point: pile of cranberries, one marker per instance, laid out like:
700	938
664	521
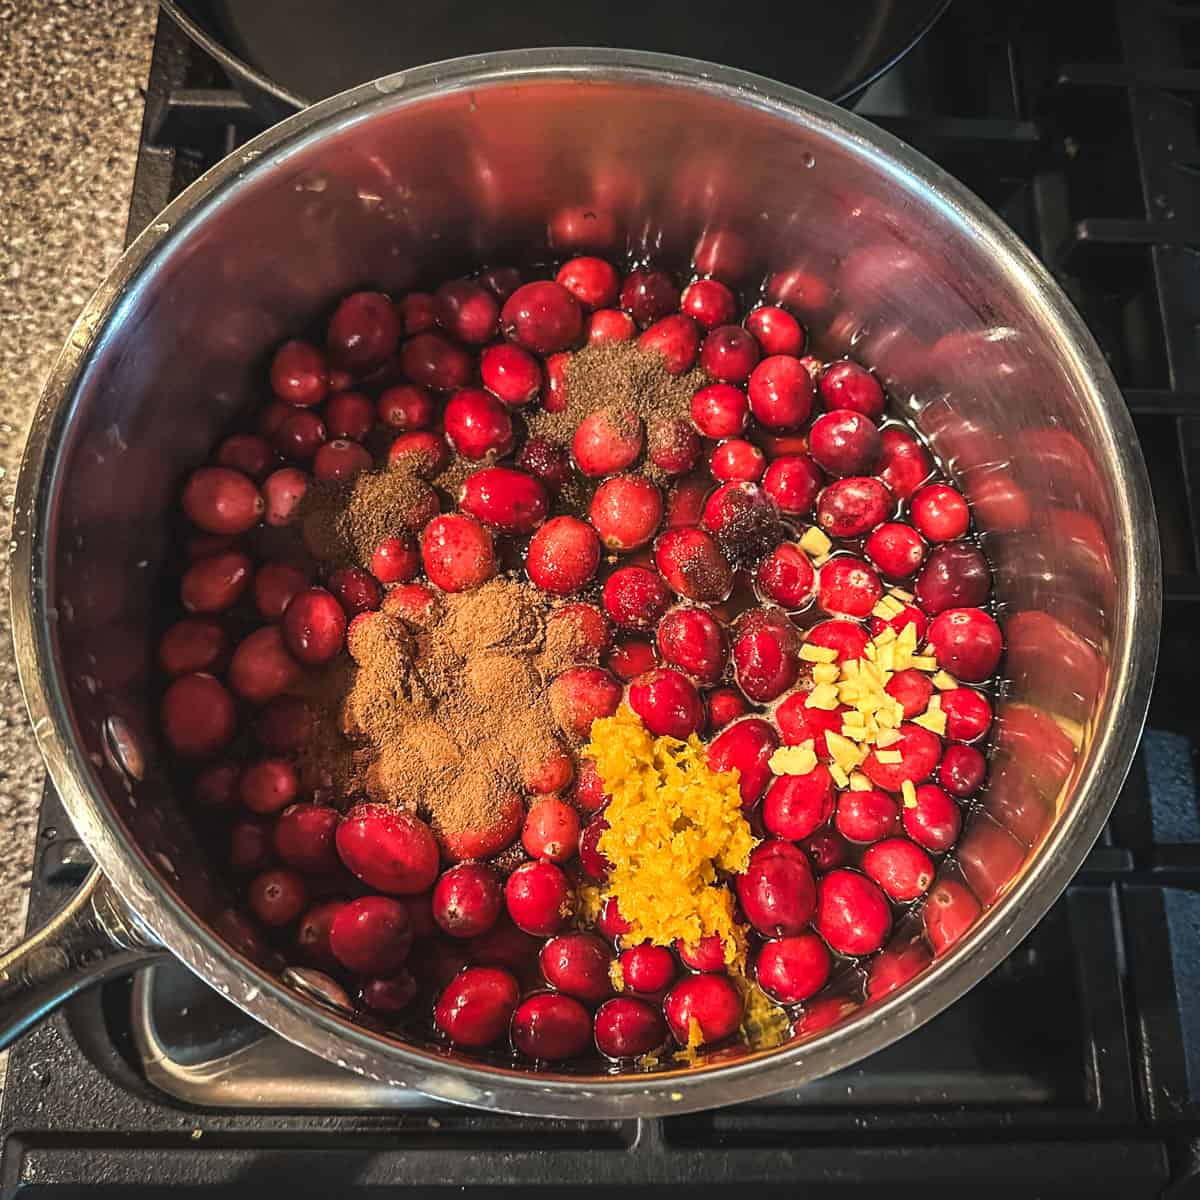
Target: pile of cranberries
695	597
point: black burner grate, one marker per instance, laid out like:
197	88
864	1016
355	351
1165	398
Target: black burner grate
1077	1063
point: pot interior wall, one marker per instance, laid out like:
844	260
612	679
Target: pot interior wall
409	188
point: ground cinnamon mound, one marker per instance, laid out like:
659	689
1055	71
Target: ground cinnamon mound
446	720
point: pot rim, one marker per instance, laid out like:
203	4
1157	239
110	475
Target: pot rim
679	1090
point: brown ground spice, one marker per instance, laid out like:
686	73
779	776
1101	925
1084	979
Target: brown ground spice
449	719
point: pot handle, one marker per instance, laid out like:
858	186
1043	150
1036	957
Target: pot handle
90	939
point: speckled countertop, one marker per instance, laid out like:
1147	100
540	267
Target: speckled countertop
72	77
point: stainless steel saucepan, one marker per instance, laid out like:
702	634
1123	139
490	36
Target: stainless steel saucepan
510	158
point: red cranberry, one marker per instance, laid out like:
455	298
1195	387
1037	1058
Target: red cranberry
690	639
846	385
848	586
705	1004
737	459
894	967
551	774
581	695
949	912
968	714
429	360
563	556
667	702
216	787
740	517
649	294
956	575
827	850
844	443
467	900
786	576
249	846
919	753
500	281
363	331
799	723
900	867
510	373
312	934
962	770
852	913
246	453
647	969
912	689
630	658
676	338
477	424
551	830
792	969
427	454
635	598
551	1026
866	816
507	500
628	1028
406	407
607	441
908	615
350	416
589	632
793	483
940	512
416	313
626	511
538	898
314	626
219	500
610	922
746	746
277	897
356	591
725	705
967	643
720	410
672	445
934	821
796	806
261	667
299	374
729	354
845	637
285	725
415	604
781	393
776	330
388	848
897	550
282	492
577	964
777	895
198	715
685	501
554	395
850	507
486	839
904	464
467	311
268	786
708	954
304	837
610	325
341	460
476	1006
593	861
547	461
389	994
543	317
300	435
709	302
458	553
693	565
765	654
592	281
193	644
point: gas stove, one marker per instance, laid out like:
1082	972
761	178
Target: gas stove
1076	1064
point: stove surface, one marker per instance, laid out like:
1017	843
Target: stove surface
1076	1064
